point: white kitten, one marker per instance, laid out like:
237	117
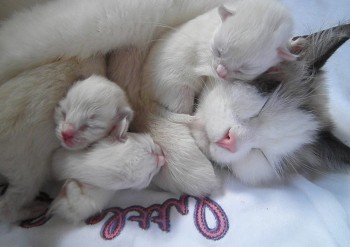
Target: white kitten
27	129
69	28
237	43
188	170
108	165
92	109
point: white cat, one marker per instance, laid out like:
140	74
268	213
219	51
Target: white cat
92	109
27	129
250	133
265	134
101	170
69	28
237	42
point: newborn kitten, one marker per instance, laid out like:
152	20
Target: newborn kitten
92	109
27	129
188	170
264	136
237	42
75	28
102	169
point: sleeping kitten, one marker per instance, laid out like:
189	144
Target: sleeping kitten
101	170
92	109
81	29
263	136
237	42
27	129
188	170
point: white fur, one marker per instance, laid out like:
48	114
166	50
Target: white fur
78	201
45	33
107	165
93	107
187	170
248	41
263	138
68	28
27	128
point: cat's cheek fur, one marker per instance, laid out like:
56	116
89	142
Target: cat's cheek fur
254	169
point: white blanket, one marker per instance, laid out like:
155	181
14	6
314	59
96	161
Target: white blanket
297	213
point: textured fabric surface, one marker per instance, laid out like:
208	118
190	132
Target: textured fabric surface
298	213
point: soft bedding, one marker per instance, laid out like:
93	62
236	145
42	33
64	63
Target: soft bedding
300	212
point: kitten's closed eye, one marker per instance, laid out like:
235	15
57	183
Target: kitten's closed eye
217	52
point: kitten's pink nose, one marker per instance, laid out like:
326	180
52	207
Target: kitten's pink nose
222	71
68	131
228	142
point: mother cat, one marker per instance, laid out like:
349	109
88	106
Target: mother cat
68	28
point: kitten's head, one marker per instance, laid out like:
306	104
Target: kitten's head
92	109
238	127
251	38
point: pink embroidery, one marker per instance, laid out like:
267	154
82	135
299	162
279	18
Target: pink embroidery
117	217
38	221
114	225
221	219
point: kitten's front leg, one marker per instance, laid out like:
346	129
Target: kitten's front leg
78	201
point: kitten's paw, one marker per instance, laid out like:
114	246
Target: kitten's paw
71	204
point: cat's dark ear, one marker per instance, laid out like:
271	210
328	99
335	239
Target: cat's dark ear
123	120
225	12
321	45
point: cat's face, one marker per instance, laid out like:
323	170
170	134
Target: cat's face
224	129
237	127
244	47
91	110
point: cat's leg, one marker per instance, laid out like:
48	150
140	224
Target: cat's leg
78	201
187	169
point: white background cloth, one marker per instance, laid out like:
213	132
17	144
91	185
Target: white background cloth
297	213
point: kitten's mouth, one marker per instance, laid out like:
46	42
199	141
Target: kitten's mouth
72	144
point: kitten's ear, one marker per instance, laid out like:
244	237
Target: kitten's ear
124	118
285	54
225	12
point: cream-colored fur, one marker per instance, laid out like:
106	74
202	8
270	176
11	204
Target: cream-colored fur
27	128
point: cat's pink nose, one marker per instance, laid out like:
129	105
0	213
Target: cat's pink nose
68	131
228	142
222	71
